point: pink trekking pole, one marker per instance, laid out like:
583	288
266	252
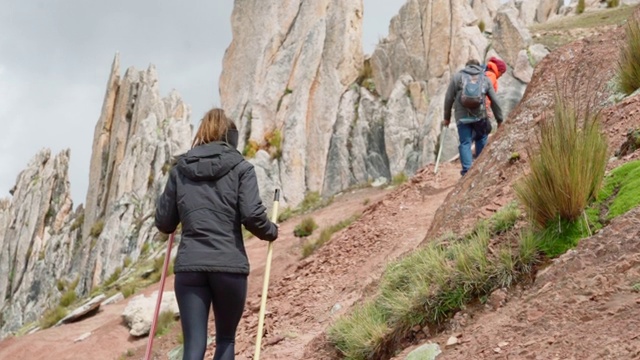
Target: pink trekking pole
154	324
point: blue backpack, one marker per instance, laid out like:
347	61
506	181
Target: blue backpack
473	91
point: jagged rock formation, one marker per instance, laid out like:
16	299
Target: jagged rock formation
136	138
285	70
37	240
297	75
42	240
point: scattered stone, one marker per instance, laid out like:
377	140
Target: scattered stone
503	344
497	299
337	307
425	352
452	341
274	340
497	350
82	337
381	181
88	309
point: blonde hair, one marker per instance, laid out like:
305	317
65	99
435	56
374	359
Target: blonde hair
213	127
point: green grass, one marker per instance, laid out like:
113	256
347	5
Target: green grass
68	298
165	320
622	188
504	219
52	316
399	179
580	7
96	228
312	201
567	169
114	277
554	33
428	285
325	236
305	228
628	76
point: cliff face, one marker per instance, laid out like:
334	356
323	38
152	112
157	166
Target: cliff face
297	68
37	242
285	71
43	240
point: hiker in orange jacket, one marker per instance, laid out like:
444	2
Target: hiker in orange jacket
495	69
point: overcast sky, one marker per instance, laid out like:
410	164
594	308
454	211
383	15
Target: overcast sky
55	57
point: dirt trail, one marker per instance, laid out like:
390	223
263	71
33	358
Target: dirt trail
302	293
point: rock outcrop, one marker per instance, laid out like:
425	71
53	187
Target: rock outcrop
135	141
297	68
46	248
37	240
286	69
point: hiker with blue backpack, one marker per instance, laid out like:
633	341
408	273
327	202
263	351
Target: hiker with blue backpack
467	95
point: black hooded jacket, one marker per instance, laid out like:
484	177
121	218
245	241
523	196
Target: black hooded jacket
212	191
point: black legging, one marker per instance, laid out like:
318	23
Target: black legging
196	292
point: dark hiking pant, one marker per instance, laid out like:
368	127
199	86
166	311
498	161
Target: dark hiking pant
196	292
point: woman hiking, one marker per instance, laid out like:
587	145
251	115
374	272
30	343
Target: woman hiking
212	191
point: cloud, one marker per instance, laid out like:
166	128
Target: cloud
55	58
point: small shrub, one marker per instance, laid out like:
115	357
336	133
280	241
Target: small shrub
568	169
399	179
635	287
366	73
127	261
114	277
128	290
274	139
61	285
52	316
180	338
580	7
514	158
68	298
366	201
628	74
145	248
77	222
482	26
150	180
165	320
96	228
613	3
250	149
166	167
305	228
356	336
286	214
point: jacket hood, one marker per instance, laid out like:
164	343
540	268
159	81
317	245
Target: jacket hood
493	68
473	69
209	161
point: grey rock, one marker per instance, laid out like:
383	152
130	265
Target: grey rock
537	52
138	315
113	299
425	352
523	70
510	35
82	337
88	309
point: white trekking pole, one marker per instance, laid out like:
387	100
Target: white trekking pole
442	136
265	284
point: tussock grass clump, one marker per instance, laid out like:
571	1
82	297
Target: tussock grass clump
68	298
52	316
305	228
567	171
482	26
613	3
629	61
96	228
580	7
429	285
505	219
399	179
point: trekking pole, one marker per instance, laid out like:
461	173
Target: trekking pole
154	324
265	284
444	132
